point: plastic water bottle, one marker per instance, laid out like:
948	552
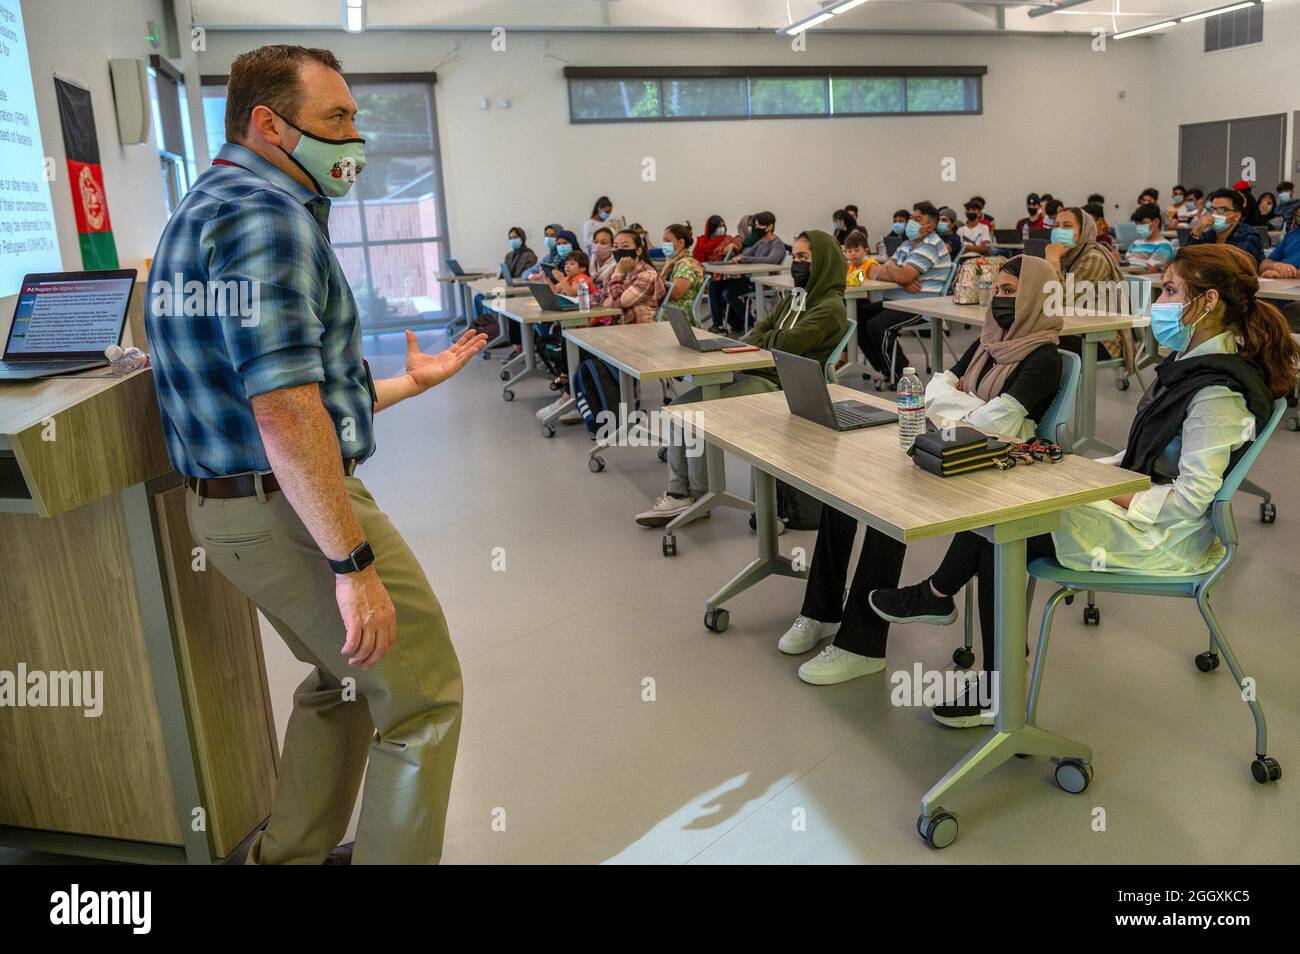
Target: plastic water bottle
125	360
911	408
584	298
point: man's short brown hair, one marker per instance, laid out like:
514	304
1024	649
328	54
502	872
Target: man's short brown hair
268	76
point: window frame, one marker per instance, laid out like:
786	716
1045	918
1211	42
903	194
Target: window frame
828	74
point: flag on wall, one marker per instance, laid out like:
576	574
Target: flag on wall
85	177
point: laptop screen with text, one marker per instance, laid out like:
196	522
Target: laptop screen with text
73	315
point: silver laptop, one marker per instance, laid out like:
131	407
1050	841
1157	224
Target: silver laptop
63	321
686	334
807	396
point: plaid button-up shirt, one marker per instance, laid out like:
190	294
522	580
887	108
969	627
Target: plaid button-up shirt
245	296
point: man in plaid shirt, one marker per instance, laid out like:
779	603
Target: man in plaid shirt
268	408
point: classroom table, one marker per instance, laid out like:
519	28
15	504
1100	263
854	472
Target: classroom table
748	269
464	299
865	474
1280	289
529	315
496	288
1091	328
650	352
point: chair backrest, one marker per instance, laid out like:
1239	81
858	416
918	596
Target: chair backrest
1055	424
1125	233
949	279
700	295
839	350
1140	292
891	244
1225	525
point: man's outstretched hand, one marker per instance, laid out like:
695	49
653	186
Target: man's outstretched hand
426	370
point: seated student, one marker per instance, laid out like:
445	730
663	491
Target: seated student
1265	210
853	211
920	268
1004	383
1104	237
899	225
976	236
682	274
977	202
861	265
1284	260
550	240
1034	218
1050	209
810	325
1150	252
1079	258
1150	197
518	259
844	222
947	230
602	216
602	257
1232	357
725	292
1245	188
1178	199
635	285
714	244
1191	209
1287	205
574	274
1223	223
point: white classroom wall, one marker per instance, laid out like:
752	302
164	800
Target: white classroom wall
1053	120
1189	85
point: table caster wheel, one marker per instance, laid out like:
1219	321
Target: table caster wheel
1091	616
507	395
939	831
1069	600
1207	661
548	431
663	453
487	354
1293	423
1265	770
595	464
1073	776
1122	384
505	375
670	544
1267	512
717	620
963	657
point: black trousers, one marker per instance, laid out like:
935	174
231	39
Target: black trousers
880	565
725	306
874	320
969	556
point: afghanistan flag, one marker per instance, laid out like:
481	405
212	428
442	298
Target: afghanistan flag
94	231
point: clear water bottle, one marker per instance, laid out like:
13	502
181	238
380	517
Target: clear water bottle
911	408
125	360
584	298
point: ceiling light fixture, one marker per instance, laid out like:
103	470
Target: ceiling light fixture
820	17
1215	12
1140	30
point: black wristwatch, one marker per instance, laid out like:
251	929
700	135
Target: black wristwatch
356	561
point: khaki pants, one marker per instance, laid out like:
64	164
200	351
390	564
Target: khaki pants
406	711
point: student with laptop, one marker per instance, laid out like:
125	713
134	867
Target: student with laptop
810	324
64	321
1004	383
550	239
1231	357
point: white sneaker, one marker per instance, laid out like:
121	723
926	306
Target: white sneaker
834	665
805	633
664	510
551	408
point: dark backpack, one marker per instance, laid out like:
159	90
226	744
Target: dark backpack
595	389
798	510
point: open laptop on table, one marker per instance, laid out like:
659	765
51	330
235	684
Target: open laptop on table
1007	237
686	334
807	396
63	321
550	301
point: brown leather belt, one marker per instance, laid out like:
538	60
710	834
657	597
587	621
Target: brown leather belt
243	485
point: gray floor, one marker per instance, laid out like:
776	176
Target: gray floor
736	760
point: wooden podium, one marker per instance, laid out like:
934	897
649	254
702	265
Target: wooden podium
99	574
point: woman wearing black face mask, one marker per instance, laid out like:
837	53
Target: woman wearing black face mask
1004	383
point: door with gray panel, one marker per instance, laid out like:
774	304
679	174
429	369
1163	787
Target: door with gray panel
1213	155
1203	155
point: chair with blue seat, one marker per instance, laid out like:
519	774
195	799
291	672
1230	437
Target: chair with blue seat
1197	586
1054	427
1125	234
839	350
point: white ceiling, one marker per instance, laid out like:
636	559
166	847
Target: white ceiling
765	15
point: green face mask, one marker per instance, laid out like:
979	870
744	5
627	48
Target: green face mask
332	164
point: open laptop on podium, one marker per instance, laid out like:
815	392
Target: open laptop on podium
63	321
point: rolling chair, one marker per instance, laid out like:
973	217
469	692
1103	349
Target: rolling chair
1197	586
919	327
1054	427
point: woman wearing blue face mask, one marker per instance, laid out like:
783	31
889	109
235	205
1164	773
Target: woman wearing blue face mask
1090	272
682	274
602	214
1232	356
549	241
518	259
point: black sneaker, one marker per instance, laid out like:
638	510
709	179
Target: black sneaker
913	604
969	709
